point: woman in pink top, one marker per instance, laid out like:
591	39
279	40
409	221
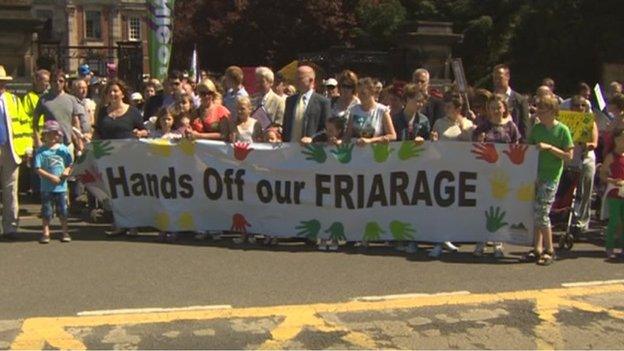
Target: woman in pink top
211	120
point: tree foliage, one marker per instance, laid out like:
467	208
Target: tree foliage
565	39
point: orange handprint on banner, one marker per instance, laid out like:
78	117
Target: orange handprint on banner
241	150
239	224
486	152
516	153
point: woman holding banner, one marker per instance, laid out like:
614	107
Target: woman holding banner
498	128
211	120
119	120
369	122
453	127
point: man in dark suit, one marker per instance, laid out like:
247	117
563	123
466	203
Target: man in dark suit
518	105
164	98
433	108
306	111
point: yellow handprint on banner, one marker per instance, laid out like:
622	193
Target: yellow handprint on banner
525	192
187	147
162	221
186	221
499	183
160	147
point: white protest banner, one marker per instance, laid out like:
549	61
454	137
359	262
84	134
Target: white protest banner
435	191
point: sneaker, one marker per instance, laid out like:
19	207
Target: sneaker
117	232
333	246
162	237
66	238
44	239
362	244
400	247
322	245
201	236
479	250
411	247
214	235
436	251
172	237
498	250
449	246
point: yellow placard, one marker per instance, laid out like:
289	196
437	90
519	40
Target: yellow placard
581	125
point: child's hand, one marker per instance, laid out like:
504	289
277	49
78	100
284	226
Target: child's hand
335	141
419	140
55	180
363	141
434	136
481	138
66	172
306	141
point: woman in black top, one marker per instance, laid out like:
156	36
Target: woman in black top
119	120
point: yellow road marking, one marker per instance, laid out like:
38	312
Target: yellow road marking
36	332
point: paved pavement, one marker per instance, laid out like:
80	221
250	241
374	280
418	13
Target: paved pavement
220	295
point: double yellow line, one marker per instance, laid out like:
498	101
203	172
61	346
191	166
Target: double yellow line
37	332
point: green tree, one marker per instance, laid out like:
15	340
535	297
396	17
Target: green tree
378	20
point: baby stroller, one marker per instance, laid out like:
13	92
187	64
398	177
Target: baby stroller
562	212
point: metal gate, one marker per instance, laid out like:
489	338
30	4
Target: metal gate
128	55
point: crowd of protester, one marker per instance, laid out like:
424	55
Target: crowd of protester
341	109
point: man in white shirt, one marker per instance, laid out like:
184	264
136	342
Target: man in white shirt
518	105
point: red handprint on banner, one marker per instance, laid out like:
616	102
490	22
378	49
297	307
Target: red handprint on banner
516	153
239	224
91	175
486	152
241	150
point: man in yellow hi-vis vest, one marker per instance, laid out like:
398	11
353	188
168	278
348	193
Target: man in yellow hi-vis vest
13	144
41	84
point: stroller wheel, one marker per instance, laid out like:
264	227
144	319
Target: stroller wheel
566	241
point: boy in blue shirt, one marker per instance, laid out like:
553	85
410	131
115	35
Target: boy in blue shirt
53	162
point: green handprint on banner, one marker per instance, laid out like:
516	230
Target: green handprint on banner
372	232
381	152
402	230
343	152
336	232
315	152
410	149
309	229
101	148
494	219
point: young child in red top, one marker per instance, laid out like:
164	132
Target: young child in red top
612	172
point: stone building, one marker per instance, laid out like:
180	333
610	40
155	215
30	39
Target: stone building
17	27
88	31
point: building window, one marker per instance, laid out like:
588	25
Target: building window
46	16
134	28
93	25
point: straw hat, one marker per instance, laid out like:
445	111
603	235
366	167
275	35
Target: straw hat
3	75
